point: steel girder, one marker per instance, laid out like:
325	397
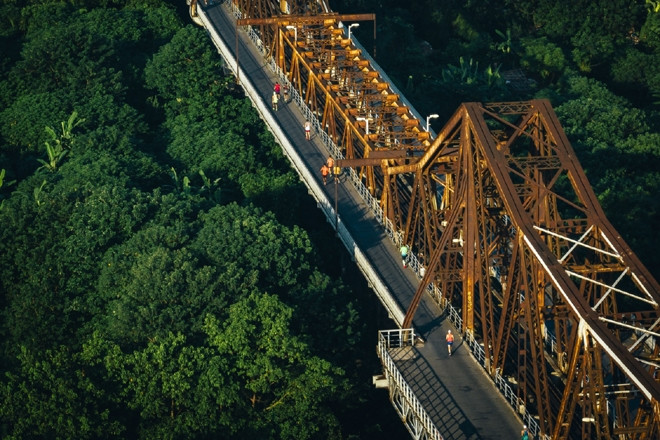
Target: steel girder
517	240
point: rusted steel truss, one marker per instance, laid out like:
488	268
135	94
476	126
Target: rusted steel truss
272	9
518	241
356	107
500	213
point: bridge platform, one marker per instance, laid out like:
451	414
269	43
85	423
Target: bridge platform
456	393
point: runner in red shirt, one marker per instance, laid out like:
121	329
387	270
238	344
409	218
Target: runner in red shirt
450	341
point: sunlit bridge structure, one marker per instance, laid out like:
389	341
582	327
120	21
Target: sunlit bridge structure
509	241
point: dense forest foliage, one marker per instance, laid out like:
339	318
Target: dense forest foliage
156	280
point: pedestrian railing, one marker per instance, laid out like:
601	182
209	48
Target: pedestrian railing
412	413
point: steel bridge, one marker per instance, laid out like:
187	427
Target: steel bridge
509	242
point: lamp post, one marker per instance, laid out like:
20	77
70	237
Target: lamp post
428	121
366	121
295	32
336	170
350	27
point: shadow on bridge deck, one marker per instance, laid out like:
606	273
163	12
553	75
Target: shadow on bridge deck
456	392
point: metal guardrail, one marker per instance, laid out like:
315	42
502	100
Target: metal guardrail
420	426
397	338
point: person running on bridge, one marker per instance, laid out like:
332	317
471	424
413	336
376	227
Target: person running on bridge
450	341
276	89
308	130
324	173
404	255
524	434
274	100
330	162
285	90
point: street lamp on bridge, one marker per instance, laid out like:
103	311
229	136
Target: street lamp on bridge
366	121
336	171
350	27
428	121
295	32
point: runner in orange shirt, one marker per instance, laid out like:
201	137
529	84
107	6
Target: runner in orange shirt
450	341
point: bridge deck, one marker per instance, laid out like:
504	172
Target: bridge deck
456	392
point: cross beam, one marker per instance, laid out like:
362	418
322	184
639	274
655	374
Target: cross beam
375	158
304	19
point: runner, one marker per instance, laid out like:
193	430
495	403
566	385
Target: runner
274	101
404	255
308	130
450	341
324	173
524	434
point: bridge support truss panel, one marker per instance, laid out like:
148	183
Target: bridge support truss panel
403	399
560	303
